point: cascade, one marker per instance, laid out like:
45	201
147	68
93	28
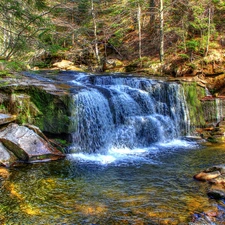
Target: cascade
219	105
112	111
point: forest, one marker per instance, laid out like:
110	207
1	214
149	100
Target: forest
170	36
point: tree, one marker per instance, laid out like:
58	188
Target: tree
95	32
21	23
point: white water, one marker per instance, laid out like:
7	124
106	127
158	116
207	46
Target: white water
125	156
126	118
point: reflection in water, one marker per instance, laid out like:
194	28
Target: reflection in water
157	188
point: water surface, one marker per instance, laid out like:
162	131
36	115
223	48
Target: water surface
147	186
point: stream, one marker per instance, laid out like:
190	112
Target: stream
151	187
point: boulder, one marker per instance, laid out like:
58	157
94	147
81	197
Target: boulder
6	118
28	146
64	64
6	157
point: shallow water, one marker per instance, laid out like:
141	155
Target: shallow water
148	186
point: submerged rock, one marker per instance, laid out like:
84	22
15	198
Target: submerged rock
28	146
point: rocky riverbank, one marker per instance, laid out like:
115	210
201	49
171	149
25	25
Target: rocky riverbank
28	107
215	177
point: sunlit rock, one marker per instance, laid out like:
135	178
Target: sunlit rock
27	145
218	180
64	64
205	176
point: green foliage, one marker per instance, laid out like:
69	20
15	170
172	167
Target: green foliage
20	24
193	45
15	66
193	95
117	38
2	108
184	56
57	26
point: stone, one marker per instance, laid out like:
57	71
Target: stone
218	180
27	145
75	68
6	157
6	118
220	168
217	192
205	176
64	64
37	131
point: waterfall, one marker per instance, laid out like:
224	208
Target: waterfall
111	111
219	110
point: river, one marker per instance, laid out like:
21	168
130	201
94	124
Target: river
155	186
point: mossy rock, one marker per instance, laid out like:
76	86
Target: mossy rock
54	108
193	94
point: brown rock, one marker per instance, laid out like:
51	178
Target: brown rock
64	64
218	180
205	176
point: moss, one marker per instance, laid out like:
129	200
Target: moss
21	105
55	116
2	108
17	151
193	94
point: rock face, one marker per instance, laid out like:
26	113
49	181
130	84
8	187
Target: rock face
36	101
26	145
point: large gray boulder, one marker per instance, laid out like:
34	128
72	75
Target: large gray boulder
27	145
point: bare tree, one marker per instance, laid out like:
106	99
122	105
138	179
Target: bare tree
161	13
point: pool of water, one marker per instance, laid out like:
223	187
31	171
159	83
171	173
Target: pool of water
144	186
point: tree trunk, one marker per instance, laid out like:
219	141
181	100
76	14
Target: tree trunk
139	29
152	12
95	32
209	30
161	53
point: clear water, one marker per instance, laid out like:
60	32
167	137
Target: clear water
143	186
